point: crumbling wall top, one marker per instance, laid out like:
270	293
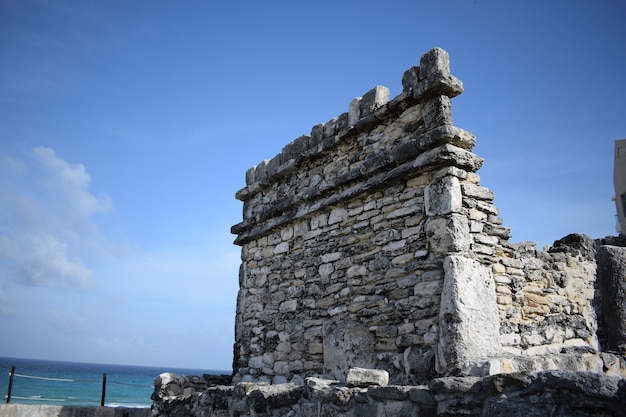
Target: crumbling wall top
431	78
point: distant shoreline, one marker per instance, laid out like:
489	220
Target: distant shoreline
47	410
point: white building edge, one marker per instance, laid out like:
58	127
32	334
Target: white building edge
619	181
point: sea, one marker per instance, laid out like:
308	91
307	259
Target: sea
73	383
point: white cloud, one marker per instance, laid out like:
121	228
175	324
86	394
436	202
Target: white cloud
47	221
42	260
69	185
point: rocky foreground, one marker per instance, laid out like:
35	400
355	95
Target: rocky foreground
366	393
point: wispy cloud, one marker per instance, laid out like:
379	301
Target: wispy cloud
47	220
64	323
42	260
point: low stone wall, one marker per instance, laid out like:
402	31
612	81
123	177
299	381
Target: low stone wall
366	394
45	410
546	298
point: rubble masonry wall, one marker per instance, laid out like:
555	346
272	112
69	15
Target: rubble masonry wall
371	243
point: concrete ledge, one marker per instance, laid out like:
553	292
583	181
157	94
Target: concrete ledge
45	410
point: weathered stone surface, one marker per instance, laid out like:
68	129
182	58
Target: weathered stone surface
371	243
274	396
612	278
360	377
443	196
548	393
346	343
391	392
468	308
448	234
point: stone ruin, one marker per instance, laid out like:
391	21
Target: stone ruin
371	246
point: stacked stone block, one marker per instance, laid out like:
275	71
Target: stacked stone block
371	243
366	393
546	298
346	233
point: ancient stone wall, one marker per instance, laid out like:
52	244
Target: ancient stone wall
366	393
371	243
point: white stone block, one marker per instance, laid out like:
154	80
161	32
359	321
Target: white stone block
361	377
468	309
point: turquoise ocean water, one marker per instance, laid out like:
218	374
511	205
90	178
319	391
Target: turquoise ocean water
73	383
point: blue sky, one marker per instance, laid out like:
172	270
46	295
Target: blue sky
126	128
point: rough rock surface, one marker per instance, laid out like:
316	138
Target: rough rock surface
547	393
371	243
612	277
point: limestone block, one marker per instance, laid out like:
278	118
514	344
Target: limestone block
273	396
468	308
281	248
288	306
448	155
402	259
443	196
428	288
337	215
392	246
330	128
331	257
437	112
362	377
354	111
476	226
476	191
386	236
410	78
357	271
337	310
373	99
256	362
447	134
404	211
346	343
326	269
434	61
448	234
486	240
314	384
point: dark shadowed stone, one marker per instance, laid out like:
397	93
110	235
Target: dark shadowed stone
576	244
501	383
367	410
421	395
391	392
587	383
342	395
274	396
456	384
612	278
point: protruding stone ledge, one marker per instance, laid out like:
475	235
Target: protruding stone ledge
376	173
448	155
286	210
